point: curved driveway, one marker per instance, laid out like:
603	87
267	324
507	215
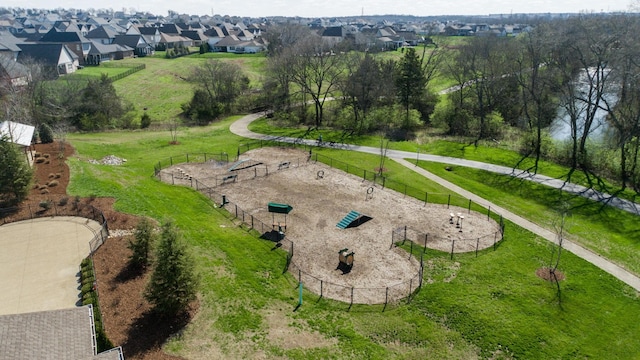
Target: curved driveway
240	127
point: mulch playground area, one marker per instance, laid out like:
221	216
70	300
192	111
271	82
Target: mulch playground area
321	197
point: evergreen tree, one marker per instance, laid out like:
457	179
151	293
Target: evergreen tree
141	246
410	80
46	133
173	282
16	174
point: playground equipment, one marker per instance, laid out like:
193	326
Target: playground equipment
353	218
369	194
276	208
346	259
320	174
244	164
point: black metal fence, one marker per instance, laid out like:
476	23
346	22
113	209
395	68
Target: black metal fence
190	158
391	294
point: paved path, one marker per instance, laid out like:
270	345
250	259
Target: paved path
240	127
39	262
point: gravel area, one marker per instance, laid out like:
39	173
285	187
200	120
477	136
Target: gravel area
320	202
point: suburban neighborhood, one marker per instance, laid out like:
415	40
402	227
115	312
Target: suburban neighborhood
67	40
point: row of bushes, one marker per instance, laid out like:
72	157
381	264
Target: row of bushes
90	296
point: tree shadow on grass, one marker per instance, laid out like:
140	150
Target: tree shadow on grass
151	330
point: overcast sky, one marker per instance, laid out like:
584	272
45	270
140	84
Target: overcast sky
329	8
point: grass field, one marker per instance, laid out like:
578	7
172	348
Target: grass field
492	306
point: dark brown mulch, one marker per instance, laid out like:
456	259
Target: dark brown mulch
547	274
126	315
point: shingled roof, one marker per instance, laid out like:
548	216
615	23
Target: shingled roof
58	334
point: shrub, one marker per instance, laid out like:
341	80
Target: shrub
44	191
39	160
46	134
37	155
58	175
87	288
53	183
63	201
45	204
145	121
47	161
46	156
86	264
52	175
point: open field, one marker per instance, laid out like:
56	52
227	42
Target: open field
492	306
320	202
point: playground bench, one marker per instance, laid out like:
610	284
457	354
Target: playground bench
229	178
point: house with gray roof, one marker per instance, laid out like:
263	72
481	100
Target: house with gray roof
57	57
67	334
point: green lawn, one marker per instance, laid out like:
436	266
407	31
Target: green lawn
494	153
605	230
492	306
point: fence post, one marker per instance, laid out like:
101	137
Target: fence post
351	297
469	209
411	251
449	201
172	180
386	296
384	179
252	221
405	190
205	157
236	210
409	295
171	161
489	213
405	234
192	181
426	237
477	245
453	244
495	235
299	275
426	198
187	158
364	176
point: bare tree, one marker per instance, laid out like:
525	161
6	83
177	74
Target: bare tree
536	81
584	60
317	71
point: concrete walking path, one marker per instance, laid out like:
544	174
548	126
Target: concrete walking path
604	264
240	128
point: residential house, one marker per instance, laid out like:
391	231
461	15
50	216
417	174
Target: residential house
103	34
196	36
72	39
9	45
150	34
55	334
13	72
233	44
56	56
168	41
214	35
332	35
137	42
100	52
